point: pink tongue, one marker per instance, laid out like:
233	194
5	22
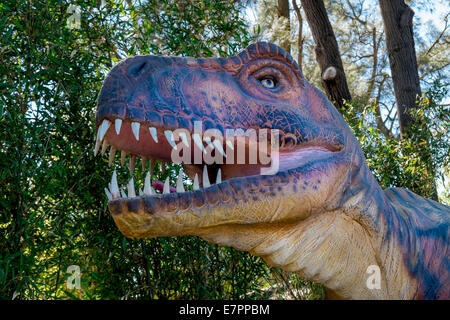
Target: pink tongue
158	185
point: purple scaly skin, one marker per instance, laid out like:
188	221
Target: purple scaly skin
322	215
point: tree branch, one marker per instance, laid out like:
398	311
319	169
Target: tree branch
440	35
300	39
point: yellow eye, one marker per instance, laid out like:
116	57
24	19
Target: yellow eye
268	82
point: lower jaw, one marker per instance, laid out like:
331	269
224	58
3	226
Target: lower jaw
242	191
237	201
233	205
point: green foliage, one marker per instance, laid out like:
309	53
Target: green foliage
53	211
290	286
415	162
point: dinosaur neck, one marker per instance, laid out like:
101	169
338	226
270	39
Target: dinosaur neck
332	247
329	248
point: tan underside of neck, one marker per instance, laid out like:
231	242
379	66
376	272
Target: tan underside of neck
334	249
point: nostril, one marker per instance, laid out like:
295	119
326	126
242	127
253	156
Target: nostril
137	68
288	141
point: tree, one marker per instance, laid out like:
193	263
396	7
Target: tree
398	27
300	39
327	52
397	18
284	13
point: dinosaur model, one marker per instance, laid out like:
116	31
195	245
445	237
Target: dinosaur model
322	214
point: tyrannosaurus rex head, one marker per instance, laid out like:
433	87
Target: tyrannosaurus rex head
155	106
276	171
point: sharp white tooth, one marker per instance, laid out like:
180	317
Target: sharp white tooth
180	187
148	190
118	125
97	147
135	126
230	144
153	133
196	185
112	154
219	176
103	128
198	142
104	147
123	156
141	193
108	194
131	192
219	147
184	139
205	180
169	137
166	188
114	187
132	163
124	195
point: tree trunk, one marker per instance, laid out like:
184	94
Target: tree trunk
300	39
397	20
327	52
283	11
398	28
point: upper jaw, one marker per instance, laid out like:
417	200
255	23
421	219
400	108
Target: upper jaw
237	201
142	212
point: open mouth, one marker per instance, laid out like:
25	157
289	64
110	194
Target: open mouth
208	161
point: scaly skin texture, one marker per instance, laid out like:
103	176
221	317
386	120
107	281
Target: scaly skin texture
323	215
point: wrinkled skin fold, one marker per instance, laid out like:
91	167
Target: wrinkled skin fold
322	215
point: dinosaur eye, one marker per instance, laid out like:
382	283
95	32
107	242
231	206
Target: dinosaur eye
268	82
